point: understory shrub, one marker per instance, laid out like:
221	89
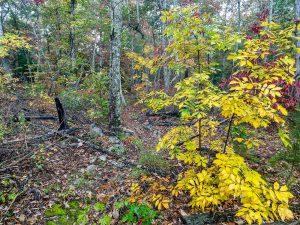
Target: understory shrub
212	174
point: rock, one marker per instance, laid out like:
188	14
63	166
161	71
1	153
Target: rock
147	126
127	131
95	131
116	163
78	182
91	169
94	160
114	140
103	157
22	218
209	218
115	214
157	134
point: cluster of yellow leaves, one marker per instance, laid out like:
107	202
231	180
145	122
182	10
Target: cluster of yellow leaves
10	42
156	193
251	99
229	178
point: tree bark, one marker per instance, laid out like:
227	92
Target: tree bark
114	68
164	45
138	12
101	56
3	62
93	62
72	33
297	33
271	3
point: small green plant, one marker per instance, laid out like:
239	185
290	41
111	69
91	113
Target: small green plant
119	150
135	115
121	136
2	197
3	130
105	220
67	193
138	143
40	157
136	172
154	161
34	89
99	207
74	212
139	213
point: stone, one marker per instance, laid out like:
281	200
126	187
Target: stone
114	140
147	126
103	157
157	134
95	131
91	169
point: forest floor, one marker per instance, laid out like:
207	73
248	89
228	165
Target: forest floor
39	167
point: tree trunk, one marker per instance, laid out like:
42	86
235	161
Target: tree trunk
164	45
239	20
270	11
114	67
297	33
72	33
93	62
101	56
4	62
138	12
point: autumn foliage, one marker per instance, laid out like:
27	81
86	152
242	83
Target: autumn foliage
213	175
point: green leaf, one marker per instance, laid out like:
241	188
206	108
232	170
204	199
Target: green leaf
105	220
55	210
99	207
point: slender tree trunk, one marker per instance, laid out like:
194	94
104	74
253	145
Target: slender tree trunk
239	29
93	61
4	62
225	14
138	11
72	33
239	20
164	45
114	68
133	37
297	33
271	3
200	7
101	51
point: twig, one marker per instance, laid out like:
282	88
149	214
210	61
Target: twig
196	135
228	133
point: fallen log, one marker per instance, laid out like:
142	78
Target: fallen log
37	137
170	113
41	117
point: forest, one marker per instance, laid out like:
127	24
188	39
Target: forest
145	112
